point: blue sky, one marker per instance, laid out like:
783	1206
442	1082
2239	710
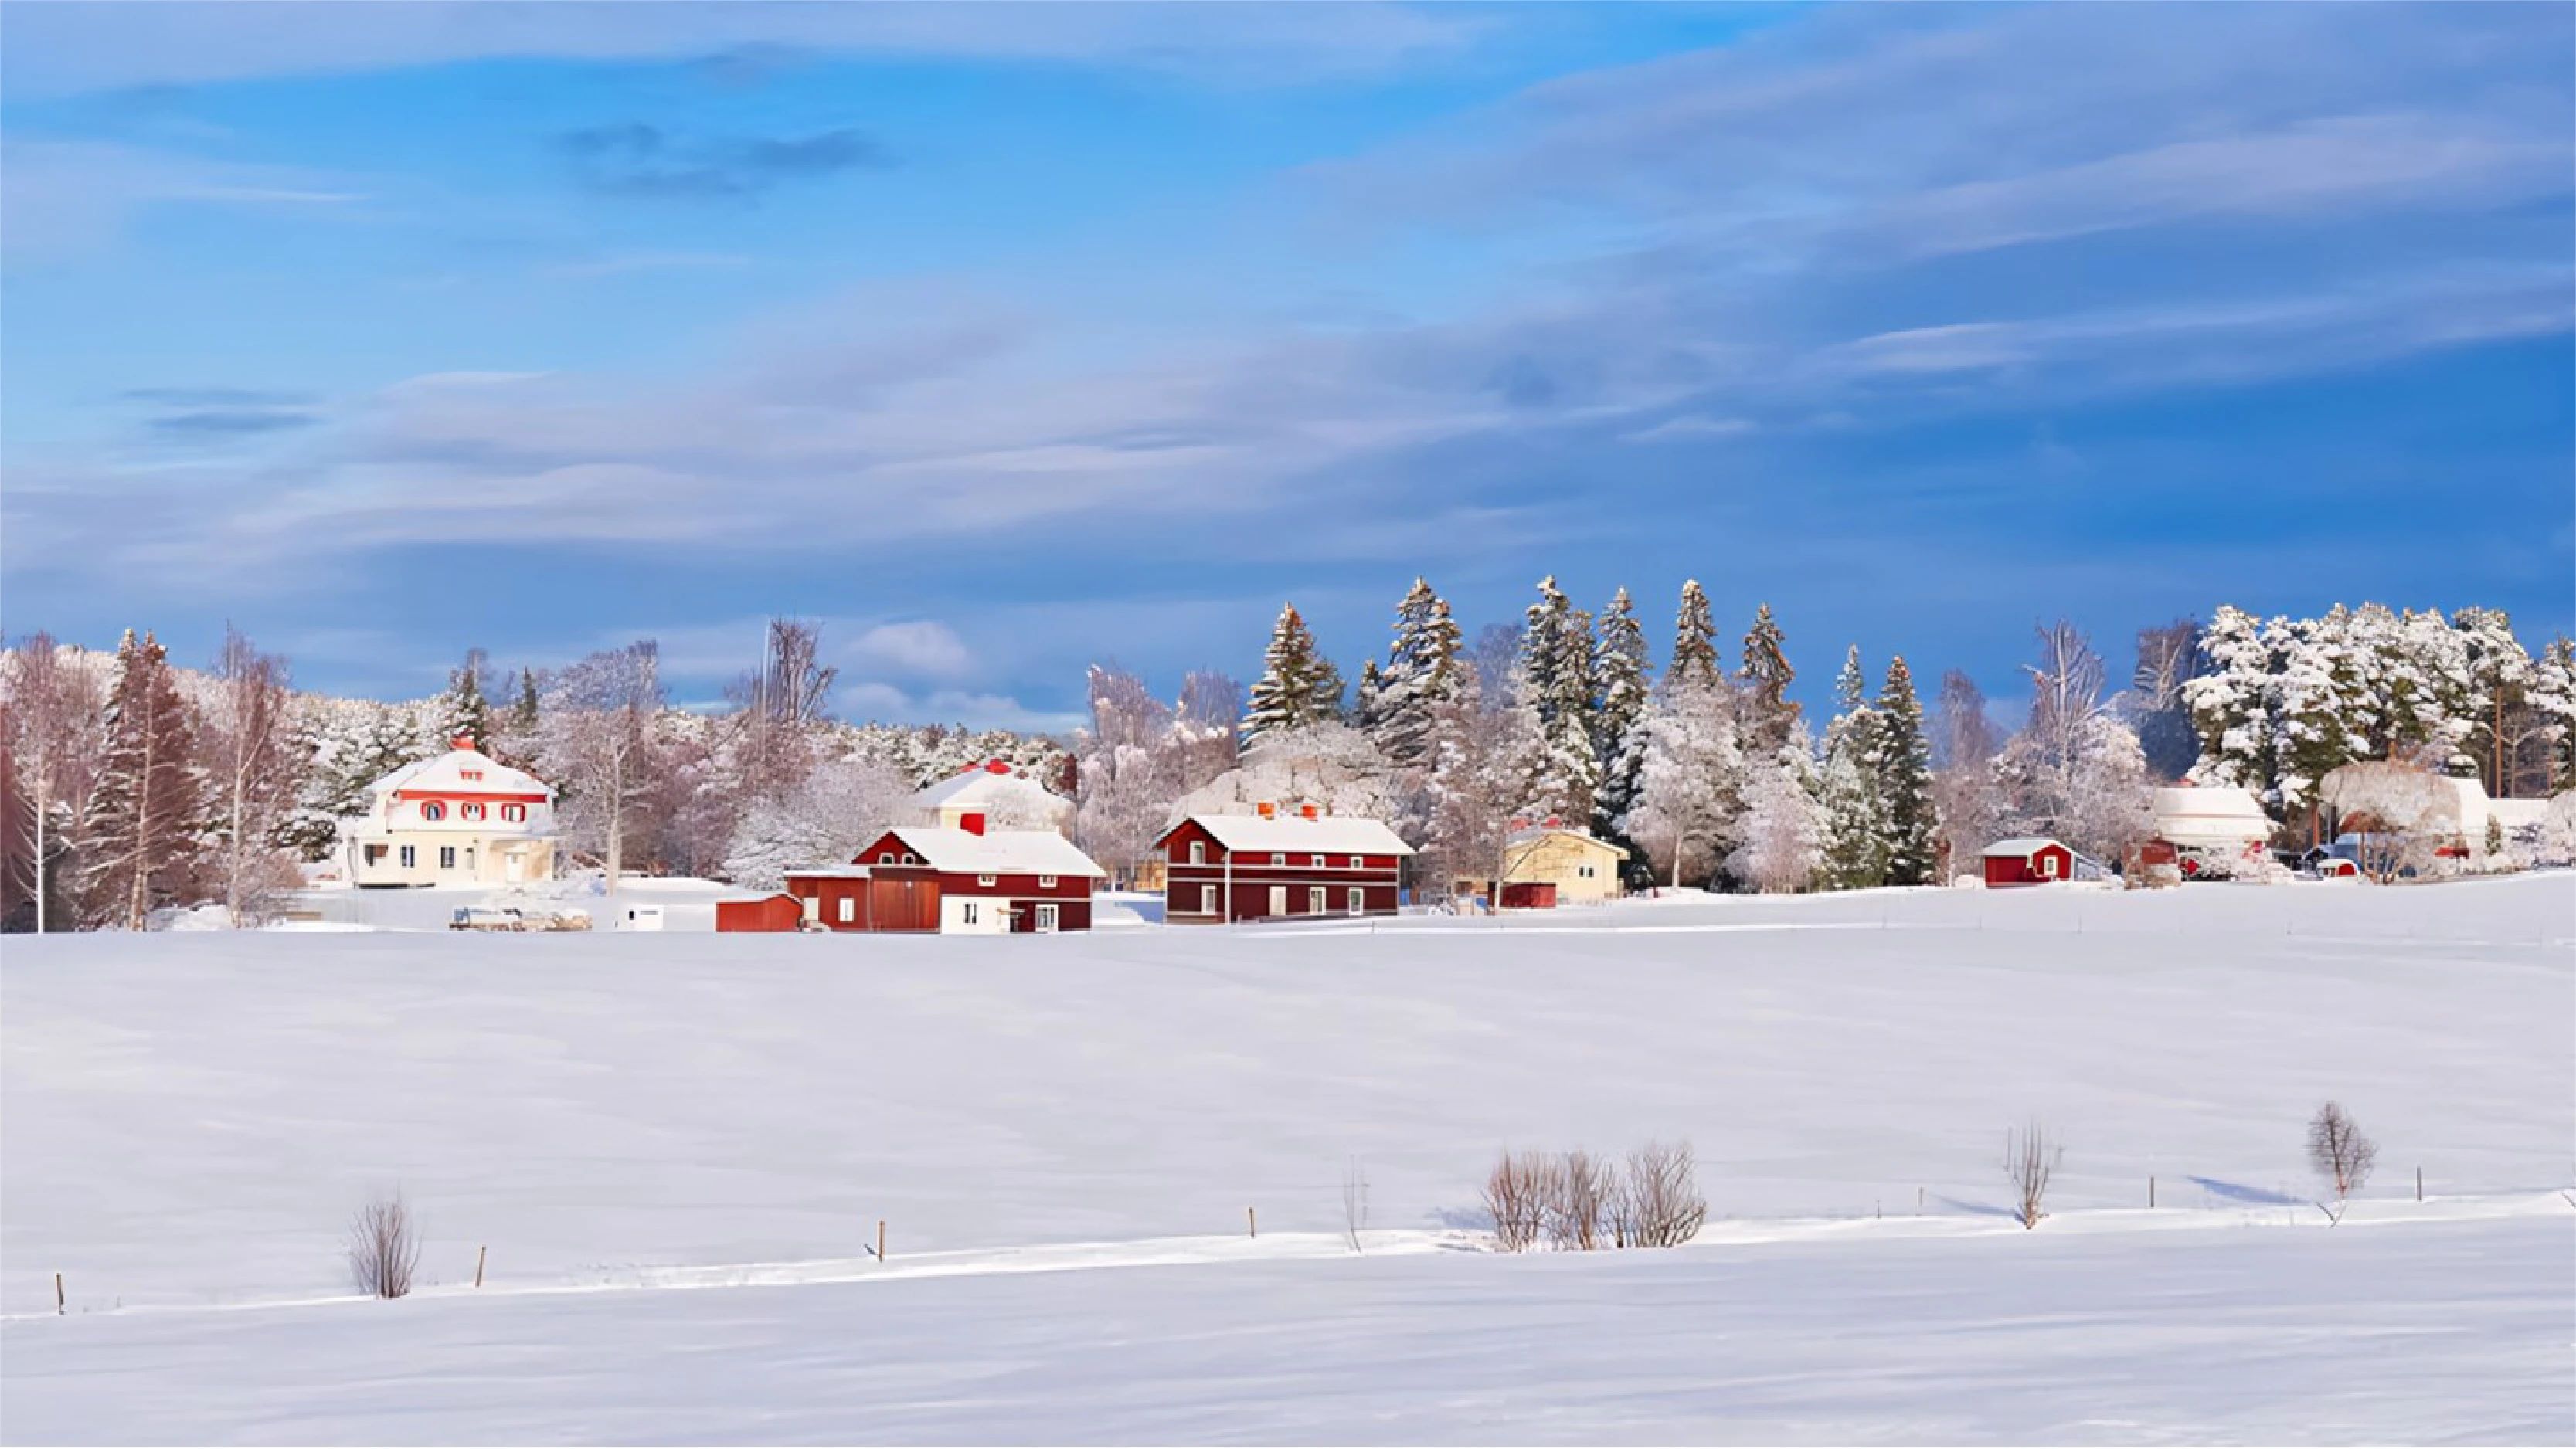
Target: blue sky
1004	340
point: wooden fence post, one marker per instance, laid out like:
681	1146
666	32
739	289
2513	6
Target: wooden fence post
479	1254
880	1240
58	1292
1251	1224
2419	1184
2151	1190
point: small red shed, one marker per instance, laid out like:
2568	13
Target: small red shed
778	911
2028	860
1529	895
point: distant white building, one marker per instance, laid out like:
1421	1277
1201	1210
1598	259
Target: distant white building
1007	799
2215	830
461	818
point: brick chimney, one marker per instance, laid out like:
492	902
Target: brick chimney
997	767
1308	811
461	742
1267	809
971	821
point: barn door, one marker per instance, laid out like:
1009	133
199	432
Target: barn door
1278	900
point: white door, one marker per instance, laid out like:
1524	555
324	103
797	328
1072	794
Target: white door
517	866
1046	918
1315	901
1278	900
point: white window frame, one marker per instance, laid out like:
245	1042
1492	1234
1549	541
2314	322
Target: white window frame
433	809
885	857
1198	852
1358	901
514	813
1278	857
1047	919
410	857
983	880
447	857
1046	882
849	910
1207	900
2048	864
469	811
1315	898
966	916
1316	861
1359	862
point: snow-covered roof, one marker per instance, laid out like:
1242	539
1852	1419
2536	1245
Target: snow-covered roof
1332	834
2210	815
985	785
828	872
2023	847
1530	833
1017	852
463	772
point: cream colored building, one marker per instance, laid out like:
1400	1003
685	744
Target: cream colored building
461	818
1583	867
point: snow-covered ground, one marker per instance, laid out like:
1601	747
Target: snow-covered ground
190	1118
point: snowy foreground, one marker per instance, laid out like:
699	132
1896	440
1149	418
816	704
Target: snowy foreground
675	1148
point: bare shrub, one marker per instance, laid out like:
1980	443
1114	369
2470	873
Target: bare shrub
1575	1212
1657	1203
2339	1151
1355	1202
2031	1157
384	1247
1517	1194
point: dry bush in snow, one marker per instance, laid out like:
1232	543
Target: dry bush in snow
2339	1151
1658	1201
384	1248
1518	1193
1575	1213
2031	1157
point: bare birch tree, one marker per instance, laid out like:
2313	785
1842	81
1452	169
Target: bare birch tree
52	736
600	740
2031	1158
254	776
2338	1150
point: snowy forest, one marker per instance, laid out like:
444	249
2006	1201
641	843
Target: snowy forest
130	784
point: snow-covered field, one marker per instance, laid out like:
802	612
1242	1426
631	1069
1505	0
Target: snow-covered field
676	1146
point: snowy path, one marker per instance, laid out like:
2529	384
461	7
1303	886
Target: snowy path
1951	1222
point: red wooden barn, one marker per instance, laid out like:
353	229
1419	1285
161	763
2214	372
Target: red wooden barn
1278	864
775	912
2028	860
953	879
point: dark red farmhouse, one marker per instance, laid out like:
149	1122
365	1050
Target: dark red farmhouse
2028	860
955	880
1277	865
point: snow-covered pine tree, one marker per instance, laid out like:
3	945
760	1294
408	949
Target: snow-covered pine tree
462	713
1366	708
1298	686
1905	779
140	839
1556	664
2553	699
1784	826
1694	642
1767	677
2235	704
1484	775
1422	673
1620	694
2500	674
1855	844
2326	716
1690	781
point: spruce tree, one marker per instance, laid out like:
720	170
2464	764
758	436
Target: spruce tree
1619	693
1905	779
1766	677
1422	673
1556	661
462	711
1694	643
523	715
1366	707
140	839
1857	840
1298	687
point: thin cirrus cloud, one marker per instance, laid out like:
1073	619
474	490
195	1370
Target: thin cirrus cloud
633	159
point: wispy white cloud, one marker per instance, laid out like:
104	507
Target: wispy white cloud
63	198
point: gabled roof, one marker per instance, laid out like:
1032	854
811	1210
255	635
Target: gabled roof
984	785
1530	833
1332	834
445	774
995	852
2023	847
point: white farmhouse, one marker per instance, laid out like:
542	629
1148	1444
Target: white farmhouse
1006	798
461	818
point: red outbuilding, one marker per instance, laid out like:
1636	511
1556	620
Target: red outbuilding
2028	860
1275	865
776	912
953	879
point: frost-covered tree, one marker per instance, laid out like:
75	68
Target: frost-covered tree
1328	764
1298	685
51	729
1557	669
1484	775
256	774
1783	828
141	838
2234	701
2404	813
601	748
2169	657
2552	700
2498	674
1620	693
1422	673
823	819
1855	844
1968	802
1905	787
1690	781
2075	771
1132	768
1694	643
1766	676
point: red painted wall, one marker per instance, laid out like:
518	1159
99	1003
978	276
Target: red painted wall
1253	875
2004	870
780	912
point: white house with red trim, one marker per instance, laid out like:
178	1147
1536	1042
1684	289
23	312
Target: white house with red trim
1007	798
461	818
